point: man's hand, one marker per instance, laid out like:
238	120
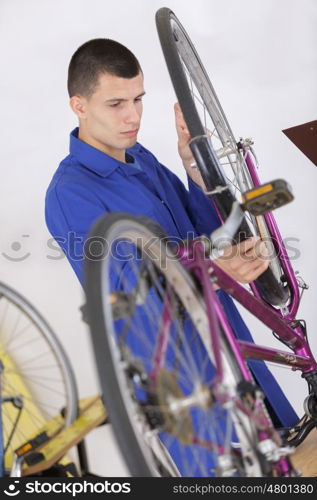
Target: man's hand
245	261
184	149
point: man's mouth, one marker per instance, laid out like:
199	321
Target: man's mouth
131	133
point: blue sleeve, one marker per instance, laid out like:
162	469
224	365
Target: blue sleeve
70	212
200	209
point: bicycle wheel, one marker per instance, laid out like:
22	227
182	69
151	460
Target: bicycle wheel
37	380
151	343
226	163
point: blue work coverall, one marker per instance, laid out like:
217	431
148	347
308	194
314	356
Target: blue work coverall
88	183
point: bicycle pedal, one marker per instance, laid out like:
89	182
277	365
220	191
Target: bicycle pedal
267	197
39	440
93	413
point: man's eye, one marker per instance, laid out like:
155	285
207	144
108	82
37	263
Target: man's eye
138	99
114	104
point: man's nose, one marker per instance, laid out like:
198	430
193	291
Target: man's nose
132	115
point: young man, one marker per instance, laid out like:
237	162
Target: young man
108	170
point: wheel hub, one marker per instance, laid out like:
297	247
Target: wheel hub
175	405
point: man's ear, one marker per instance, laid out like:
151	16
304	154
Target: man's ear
78	105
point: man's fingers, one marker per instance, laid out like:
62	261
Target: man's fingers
180	122
259	250
245	249
248	244
246	261
177	107
254	273
250	266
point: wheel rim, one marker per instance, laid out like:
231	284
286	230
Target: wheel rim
209	110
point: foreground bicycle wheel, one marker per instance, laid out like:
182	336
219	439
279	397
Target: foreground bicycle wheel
226	163
151	342
37	380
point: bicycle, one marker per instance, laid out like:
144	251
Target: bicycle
37	381
175	380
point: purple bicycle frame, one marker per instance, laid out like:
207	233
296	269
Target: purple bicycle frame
285	326
193	257
278	245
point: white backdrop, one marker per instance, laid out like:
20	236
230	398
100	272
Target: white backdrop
261	57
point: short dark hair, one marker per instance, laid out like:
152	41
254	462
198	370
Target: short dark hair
97	56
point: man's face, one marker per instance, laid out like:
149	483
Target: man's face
111	116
